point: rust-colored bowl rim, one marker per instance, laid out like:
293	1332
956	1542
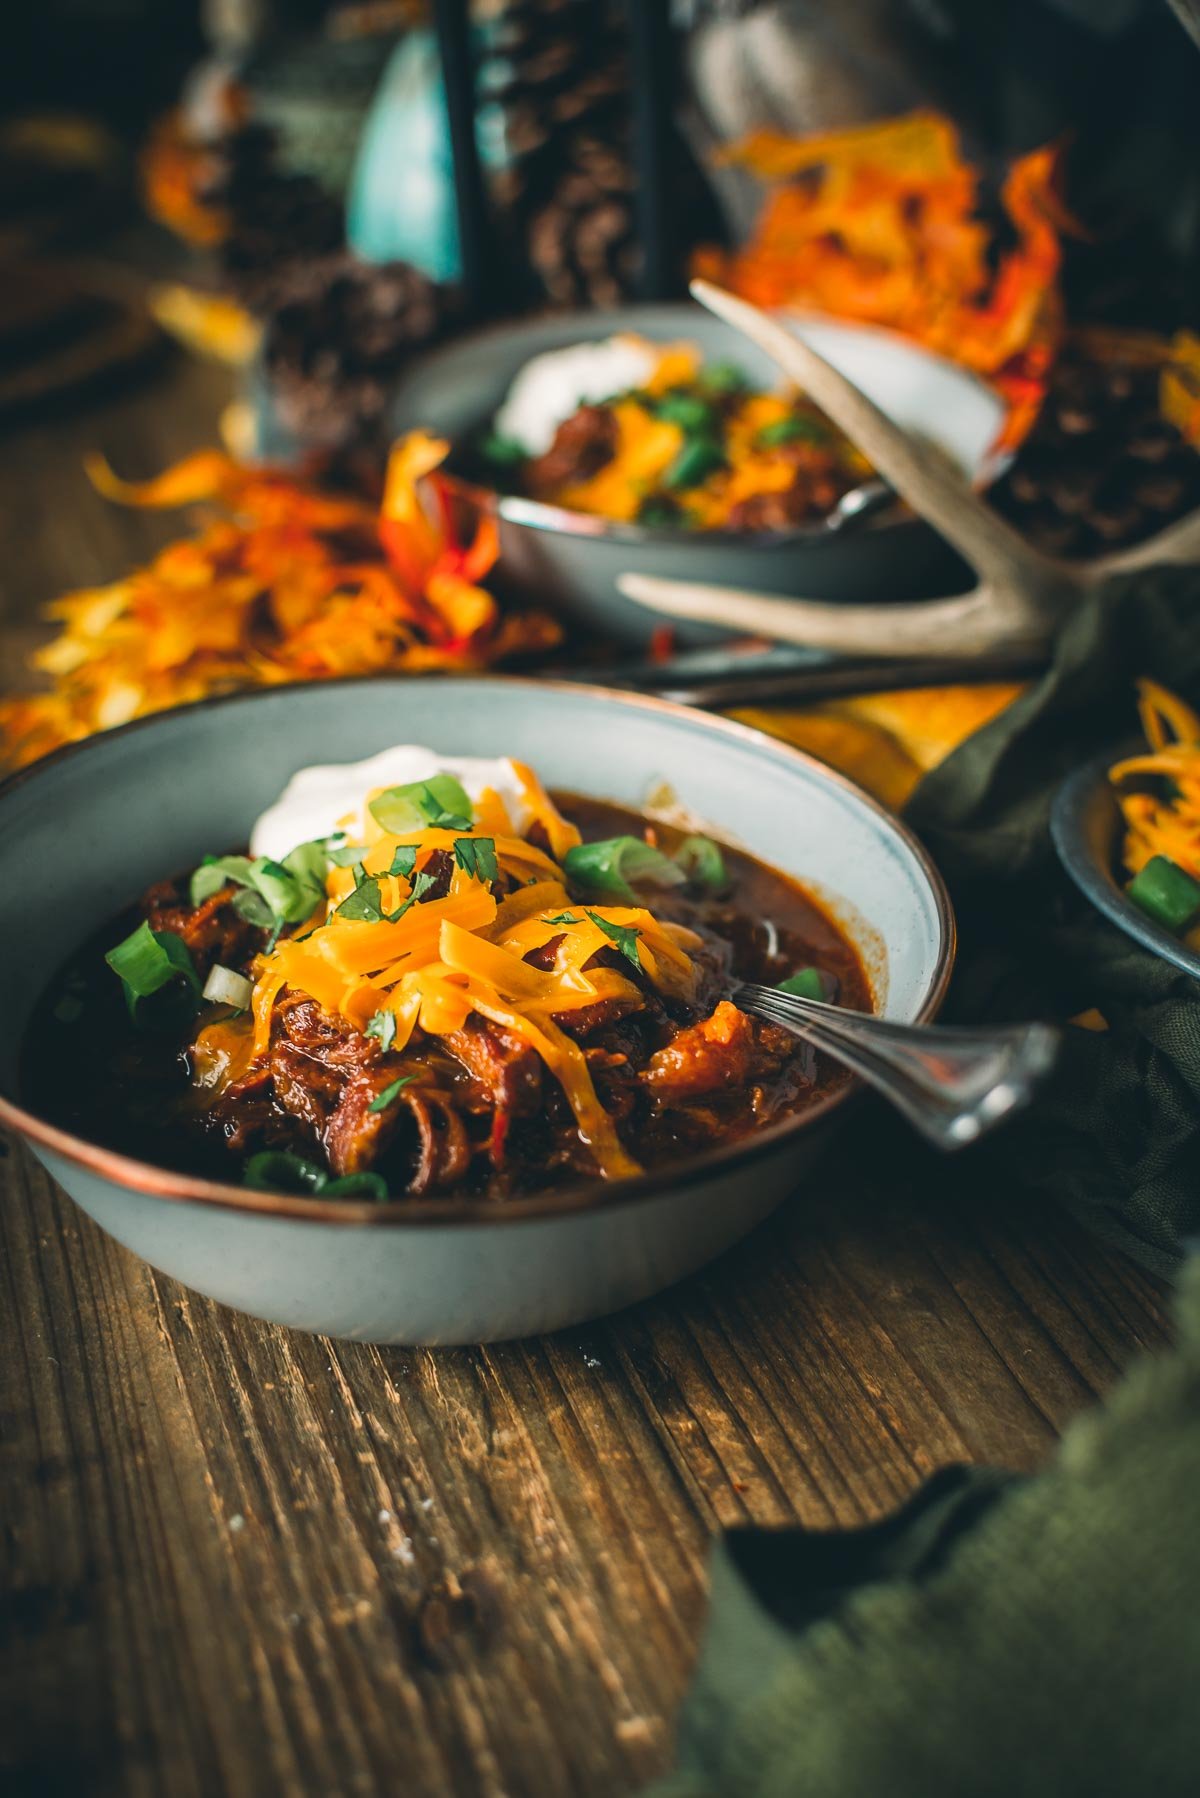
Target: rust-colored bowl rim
161	1183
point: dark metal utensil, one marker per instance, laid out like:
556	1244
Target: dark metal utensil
717	679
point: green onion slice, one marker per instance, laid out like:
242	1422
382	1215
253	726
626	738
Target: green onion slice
659	513
344	855
356	1186
805	983
507	452
440	802
721	377
307	865
702	862
273	893
1165	893
217	871
278	1170
225	986
687	410
699	457
149	960
609	868
251	905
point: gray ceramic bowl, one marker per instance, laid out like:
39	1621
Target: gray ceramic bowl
571	561
153	797
1086	826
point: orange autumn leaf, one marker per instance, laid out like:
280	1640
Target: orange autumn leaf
205	475
279	582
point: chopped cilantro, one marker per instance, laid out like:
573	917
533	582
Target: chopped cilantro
362	906
624	937
422	883
382	1100
477	856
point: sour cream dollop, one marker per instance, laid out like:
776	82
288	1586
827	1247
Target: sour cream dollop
552	386
319	800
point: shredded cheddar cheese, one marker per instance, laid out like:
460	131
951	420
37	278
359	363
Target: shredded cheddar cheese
433	961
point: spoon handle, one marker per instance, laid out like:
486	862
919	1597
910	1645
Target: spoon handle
952	1084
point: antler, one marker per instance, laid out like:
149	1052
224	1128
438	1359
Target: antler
1021	596
1188	14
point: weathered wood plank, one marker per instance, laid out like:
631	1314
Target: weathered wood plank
286	1564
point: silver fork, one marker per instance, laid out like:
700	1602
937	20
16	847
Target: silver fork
953	1084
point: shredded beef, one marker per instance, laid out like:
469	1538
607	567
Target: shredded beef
810	498
213	932
582	445
507	1071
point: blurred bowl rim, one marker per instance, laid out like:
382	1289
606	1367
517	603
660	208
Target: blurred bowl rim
155	1182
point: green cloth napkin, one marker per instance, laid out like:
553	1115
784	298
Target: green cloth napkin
1117	1136
1038	1637
1002	1635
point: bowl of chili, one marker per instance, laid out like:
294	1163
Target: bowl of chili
570	558
416	1249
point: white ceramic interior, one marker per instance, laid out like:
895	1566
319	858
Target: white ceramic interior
152	798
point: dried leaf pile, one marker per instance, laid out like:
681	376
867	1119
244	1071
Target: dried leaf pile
282	582
880	223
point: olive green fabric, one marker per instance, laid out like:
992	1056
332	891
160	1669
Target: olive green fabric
1117	1137
1038	1637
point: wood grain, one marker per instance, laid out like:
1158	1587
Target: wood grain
235	1559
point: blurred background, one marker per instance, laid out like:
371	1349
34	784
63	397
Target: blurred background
270	184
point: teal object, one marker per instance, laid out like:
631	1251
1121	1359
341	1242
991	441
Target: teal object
401	204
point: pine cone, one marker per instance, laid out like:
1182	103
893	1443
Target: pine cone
1101	469
559	72
582	243
278	220
339	334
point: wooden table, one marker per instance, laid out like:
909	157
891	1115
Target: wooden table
239	1560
